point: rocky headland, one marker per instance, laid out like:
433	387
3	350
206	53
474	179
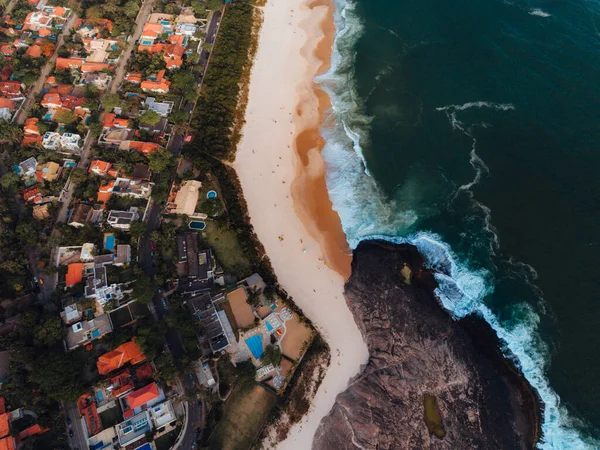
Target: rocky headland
430	382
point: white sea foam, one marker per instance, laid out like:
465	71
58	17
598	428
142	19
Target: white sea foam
479	104
539	13
366	214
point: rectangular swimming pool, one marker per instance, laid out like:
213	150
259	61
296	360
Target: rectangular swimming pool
254	343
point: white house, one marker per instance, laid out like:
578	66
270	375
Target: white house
50	140
70	141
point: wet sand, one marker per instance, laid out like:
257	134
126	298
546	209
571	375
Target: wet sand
282	175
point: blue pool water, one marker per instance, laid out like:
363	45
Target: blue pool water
269	326
197	225
211	194
99	396
110	243
254	343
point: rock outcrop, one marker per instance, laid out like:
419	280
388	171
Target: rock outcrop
431	382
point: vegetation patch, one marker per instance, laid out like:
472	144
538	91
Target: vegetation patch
111	417
244	415
217	106
228	250
166	441
303	385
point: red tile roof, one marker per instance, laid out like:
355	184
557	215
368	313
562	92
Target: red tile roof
4	425
100	167
121	383
142	396
143	147
133	77
87	408
7	103
74	274
154	48
31	431
31	194
144	372
68	63
31	126
94	67
35	51
127	352
10	88
8	443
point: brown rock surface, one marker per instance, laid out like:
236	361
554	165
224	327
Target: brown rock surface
417	349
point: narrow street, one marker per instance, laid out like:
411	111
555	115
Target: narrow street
78	440
10	7
67	193
23	112
141	19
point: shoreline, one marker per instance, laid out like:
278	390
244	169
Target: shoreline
282	176
309	189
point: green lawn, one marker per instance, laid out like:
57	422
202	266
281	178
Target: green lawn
166	441
120	317
244	415
227	249
111	416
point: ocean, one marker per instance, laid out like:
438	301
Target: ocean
471	129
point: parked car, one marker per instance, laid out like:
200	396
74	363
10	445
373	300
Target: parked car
68	420
70	433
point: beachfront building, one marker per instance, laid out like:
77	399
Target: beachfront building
216	328
187	198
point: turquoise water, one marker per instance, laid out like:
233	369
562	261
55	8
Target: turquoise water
269	326
255	345
470	130
110	243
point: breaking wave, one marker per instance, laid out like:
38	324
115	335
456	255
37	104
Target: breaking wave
367	214
539	13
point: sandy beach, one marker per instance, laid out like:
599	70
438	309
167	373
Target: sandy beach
282	176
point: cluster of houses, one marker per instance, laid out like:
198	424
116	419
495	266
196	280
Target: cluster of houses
241	329
10	436
128	405
35	38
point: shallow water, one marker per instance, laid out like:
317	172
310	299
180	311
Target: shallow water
470	129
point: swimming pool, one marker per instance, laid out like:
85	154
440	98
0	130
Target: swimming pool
99	396
211	194
254	343
197	225
269	326
109	244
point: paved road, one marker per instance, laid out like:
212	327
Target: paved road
23	112
194	419
141	19
78	440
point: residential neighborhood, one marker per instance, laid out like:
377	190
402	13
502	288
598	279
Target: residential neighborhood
137	309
